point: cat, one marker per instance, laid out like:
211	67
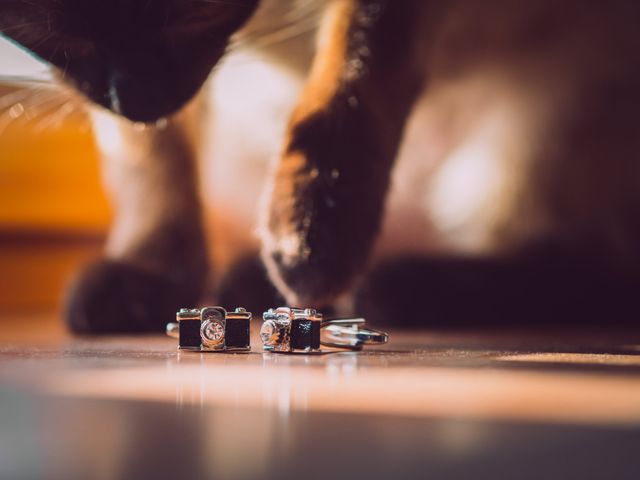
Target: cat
505	130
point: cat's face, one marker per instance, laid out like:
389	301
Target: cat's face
143	59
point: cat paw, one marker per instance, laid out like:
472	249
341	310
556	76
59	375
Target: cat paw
116	297
323	219
313	276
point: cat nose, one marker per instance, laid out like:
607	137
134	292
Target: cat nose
138	98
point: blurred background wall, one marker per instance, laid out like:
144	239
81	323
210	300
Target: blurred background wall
53	212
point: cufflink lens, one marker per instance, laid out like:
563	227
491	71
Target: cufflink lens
212	328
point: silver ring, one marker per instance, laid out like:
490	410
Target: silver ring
173	330
289	330
351	333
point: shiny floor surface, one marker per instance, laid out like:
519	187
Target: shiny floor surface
427	405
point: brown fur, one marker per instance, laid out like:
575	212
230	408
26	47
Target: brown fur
329	189
521	148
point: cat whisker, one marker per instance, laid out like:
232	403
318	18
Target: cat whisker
40	8
225	2
56	118
15	104
55	50
35	94
310	10
29	104
63	73
235	61
274	38
44	39
9	99
26	81
34	5
6	28
301	20
39	120
24	110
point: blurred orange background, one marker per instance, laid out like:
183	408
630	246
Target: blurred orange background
53	210
49	177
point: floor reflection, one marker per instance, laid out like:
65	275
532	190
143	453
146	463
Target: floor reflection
440	381
425	406
44	437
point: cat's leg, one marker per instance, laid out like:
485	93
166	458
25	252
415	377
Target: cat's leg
326	202
155	259
550	287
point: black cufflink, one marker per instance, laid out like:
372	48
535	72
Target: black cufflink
284	330
290	330
212	329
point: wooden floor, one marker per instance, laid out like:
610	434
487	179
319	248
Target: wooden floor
427	405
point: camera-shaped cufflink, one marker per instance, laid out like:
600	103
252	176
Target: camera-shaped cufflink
291	330
212	329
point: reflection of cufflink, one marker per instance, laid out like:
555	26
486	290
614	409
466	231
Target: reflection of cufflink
290	330
212	329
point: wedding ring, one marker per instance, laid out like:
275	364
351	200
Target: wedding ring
289	330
